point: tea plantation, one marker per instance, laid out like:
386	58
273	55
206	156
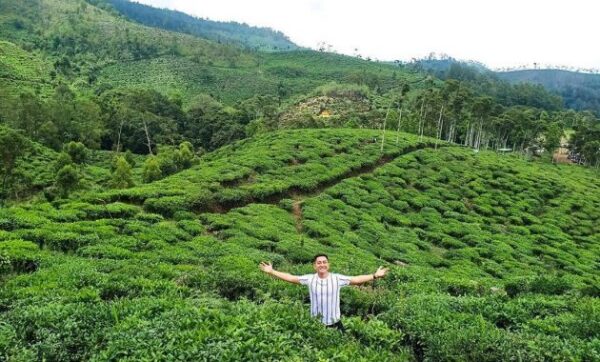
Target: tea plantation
492	257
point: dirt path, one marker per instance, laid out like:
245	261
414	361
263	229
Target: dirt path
297	213
299	194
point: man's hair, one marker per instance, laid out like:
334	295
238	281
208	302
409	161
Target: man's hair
318	255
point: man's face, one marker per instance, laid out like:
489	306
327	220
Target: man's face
321	265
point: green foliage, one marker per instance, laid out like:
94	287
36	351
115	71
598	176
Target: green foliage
122	175
343	90
494	251
184	157
264	39
553	137
491	257
18	256
67	180
12	147
63	160
77	152
152	171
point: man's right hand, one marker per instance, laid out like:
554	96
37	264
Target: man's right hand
266	267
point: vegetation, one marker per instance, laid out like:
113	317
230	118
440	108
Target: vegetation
147	172
498	248
263	39
538	87
580	91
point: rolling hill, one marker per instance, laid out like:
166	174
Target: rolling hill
107	255
501	256
91	47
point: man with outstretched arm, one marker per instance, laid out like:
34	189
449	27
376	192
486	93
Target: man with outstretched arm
324	287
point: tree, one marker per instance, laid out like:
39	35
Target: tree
30	115
552	137
63	160
121	178
211	125
185	155
129	158
77	151
151	170
67	179
12	147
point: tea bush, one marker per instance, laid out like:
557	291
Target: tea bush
491	258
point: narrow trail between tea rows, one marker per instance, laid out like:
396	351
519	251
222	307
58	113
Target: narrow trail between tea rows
298	194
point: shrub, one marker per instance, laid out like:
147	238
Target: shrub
121	178
19	256
152	171
67	179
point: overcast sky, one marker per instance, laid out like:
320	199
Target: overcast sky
505	33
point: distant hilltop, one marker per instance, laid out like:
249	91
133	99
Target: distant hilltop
244	35
579	88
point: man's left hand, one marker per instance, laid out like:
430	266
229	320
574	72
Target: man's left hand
381	271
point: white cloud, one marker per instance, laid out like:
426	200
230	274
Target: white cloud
496	33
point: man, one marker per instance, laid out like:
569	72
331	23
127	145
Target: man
324	287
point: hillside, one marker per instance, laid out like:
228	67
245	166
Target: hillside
255	38
486	82
94	48
501	257
581	91
20	72
292	73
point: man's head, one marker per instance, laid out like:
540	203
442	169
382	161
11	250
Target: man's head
321	263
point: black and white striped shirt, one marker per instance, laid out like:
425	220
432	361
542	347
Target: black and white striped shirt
325	295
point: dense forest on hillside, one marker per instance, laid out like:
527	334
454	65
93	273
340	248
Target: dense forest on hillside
580	91
147	170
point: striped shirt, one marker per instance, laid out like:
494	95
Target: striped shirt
325	295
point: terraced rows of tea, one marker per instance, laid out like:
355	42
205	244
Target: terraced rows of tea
491	257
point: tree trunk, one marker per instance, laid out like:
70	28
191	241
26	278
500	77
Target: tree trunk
384	125
4	182
399	120
421	118
119	137
147	137
438	133
422	127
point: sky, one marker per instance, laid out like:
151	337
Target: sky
499	34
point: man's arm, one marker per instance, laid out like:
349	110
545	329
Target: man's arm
268	268
360	279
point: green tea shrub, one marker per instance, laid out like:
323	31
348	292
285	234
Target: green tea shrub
16	218
66	332
167	205
19	256
192	227
104	252
116	210
239	277
374	333
543	284
149	217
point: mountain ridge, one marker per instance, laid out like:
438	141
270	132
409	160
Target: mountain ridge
241	34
